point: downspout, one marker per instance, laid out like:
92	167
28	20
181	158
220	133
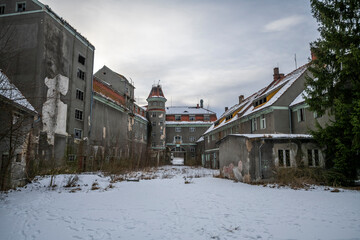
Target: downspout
92	97
290	121
260	170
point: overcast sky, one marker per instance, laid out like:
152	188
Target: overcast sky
211	50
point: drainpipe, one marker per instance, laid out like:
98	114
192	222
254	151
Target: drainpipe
290	121
260	170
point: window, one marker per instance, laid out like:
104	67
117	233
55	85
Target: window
178	129
78	114
301	115
213	137
192	149
262	122
153	144
18	157
81	74
20	6
153	134
161	123
177	117
77	133
153	114
71	157
284	158
206	118
192	118
192	139
79	95
81	59
2	9
192	129
253	125
177	139
313	157
154	124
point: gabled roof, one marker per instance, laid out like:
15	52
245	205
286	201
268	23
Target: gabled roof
272	93
12	93
299	99
183	110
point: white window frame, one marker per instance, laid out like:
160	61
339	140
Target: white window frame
262	122
301	114
253	124
284	160
313	159
81	133
192	139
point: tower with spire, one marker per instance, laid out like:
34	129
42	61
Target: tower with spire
156	110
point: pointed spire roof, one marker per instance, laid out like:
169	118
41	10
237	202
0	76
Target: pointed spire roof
156	91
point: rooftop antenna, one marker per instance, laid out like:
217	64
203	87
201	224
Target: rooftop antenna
159	82
295	62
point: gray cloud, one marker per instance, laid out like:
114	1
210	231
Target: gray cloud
211	50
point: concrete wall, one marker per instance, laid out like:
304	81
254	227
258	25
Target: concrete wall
255	159
43	50
309	122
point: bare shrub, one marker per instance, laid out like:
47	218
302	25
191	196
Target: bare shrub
72	181
95	186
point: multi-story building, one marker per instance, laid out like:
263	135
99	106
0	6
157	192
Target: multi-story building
119	126
184	126
52	64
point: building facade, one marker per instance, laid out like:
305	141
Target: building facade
51	63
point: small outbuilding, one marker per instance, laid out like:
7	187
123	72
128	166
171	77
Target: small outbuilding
256	157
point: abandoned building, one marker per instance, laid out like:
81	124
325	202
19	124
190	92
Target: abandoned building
279	108
184	126
17	119
52	64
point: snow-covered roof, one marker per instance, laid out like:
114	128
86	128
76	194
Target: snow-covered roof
299	99
200	139
188	122
11	92
183	110
277	136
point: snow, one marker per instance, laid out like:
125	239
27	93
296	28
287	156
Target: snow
178	161
278	135
187	110
200	139
188	122
167	208
11	92
299	99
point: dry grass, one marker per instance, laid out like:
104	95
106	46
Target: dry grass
71	181
95	186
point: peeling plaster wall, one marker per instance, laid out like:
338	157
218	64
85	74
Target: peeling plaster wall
54	111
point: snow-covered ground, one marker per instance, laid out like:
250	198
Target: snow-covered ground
164	207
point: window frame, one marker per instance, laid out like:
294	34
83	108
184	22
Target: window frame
79	94
80	74
192	118
17	6
301	114
78	130
80	57
177	117
192	129
177	129
262	122
82	114
2	7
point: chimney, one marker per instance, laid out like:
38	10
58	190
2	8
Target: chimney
226	108
241	98
201	103
313	55
277	75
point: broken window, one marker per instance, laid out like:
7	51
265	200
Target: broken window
81	59
77	133
81	74
177	117
2	9
284	158
20	6
78	114
192	118
79	95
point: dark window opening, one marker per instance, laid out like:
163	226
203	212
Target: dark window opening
2	9
79	95
310	158
77	133
18	157
78	114
20	7
81	74
281	158
287	154
316	157
81	59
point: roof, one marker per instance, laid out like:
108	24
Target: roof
272	93
156	91
200	139
299	99
187	110
11	92
188	122
105	90
277	136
